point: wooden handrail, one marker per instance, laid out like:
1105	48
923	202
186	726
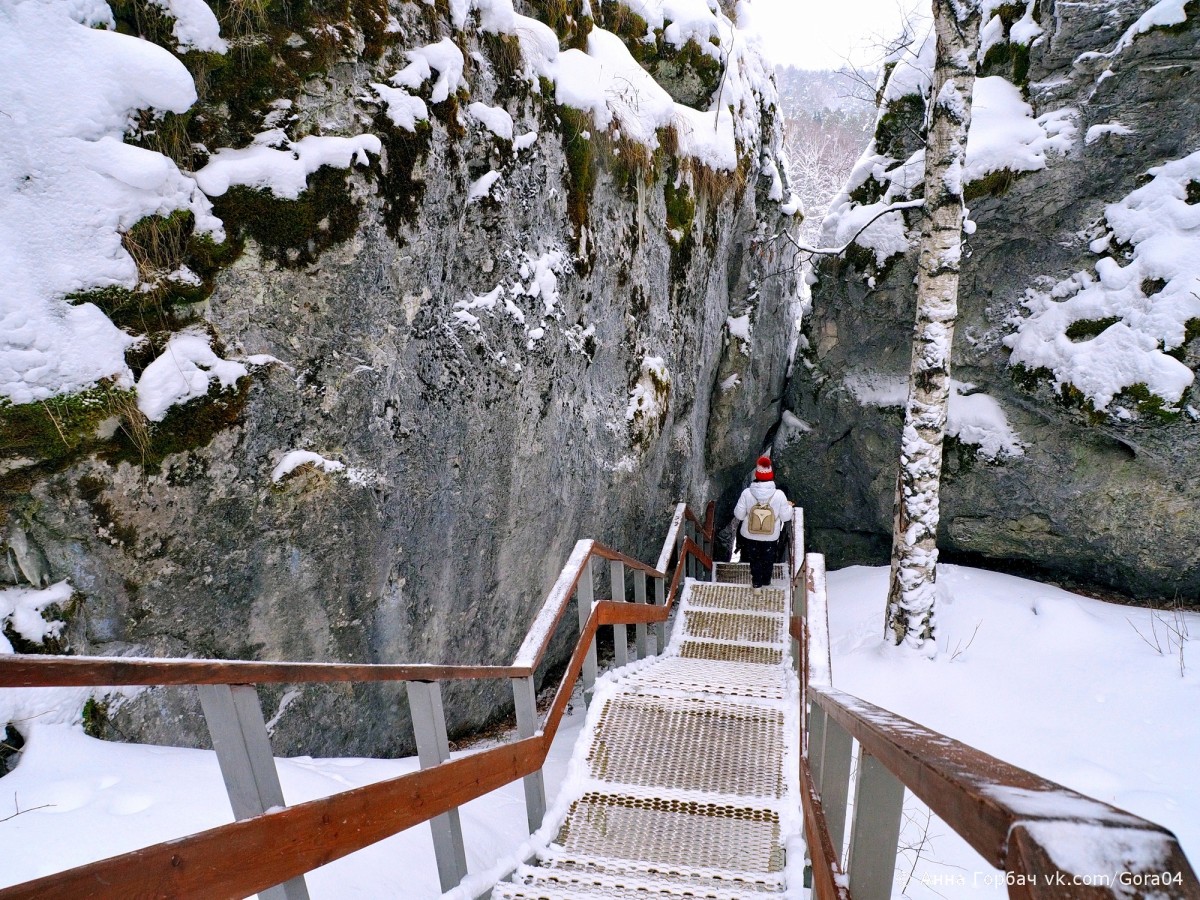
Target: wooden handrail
988	801
683	513
829	881
1018	821
537	640
29	670
36	670
241	858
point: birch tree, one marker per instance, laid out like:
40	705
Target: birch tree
911	619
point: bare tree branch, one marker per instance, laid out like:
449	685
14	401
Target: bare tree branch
838	251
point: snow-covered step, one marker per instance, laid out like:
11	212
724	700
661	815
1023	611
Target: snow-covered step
719	678
706	877
555	891
566	882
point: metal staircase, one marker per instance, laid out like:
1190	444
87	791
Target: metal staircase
686	773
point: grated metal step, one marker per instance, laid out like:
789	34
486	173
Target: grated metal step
708	878
681	832
686	765
675	744
734	628
733	598
559	881
739	573
730	679
723	652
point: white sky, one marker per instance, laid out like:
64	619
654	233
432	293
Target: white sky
823	34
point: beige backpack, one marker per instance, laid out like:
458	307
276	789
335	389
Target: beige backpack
761	519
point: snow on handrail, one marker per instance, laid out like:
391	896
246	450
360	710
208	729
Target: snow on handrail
797	542
1032	828
820	666
530	653
668	547
556	601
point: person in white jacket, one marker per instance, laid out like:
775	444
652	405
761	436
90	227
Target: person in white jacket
761	511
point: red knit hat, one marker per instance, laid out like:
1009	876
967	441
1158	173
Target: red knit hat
764	472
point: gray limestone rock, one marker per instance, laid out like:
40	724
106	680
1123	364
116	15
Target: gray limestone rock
481	442
1093	499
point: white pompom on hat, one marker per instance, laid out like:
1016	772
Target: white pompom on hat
764	472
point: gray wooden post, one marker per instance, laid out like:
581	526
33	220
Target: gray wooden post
433	749
585	599
639	596
239	736
878	806
660	628
816	741
525	701
834	785
616	570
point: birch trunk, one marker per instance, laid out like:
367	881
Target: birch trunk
911	618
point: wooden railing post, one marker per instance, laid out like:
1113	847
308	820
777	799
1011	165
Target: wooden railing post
585	599
433	749
639	596
709	542
878	806
680	537
834	782
660	628
616	570
816	740
239	736
525	701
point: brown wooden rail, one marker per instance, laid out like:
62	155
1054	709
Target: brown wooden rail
1021	823
244	857
829	881
1000	809
82	671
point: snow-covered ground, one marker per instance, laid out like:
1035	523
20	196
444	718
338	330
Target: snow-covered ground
82	799
1066	686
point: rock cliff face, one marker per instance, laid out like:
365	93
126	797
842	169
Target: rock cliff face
1076	427
500	363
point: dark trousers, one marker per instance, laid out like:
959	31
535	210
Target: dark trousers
761	556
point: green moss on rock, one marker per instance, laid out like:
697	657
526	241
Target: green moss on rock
1148	404
582	164
681	214
292	233
186	426
993	184
400	188
59	428
1086	329
900	129
568	19
1009	60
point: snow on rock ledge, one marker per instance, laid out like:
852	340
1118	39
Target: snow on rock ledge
284	172
183	372
21	610
1138	312
67	93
